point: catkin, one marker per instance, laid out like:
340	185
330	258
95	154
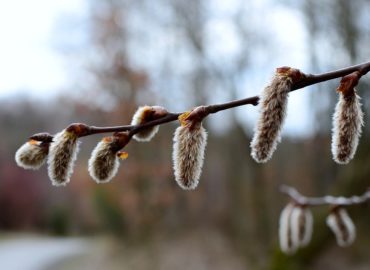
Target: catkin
347	125
273	104
188	154
62	155
342	226
143	115
287	245
301	225
103	163
31	155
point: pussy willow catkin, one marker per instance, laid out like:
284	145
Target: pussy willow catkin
287	245
295	228
143	115
342	226
104	161
190	140
347	127
273	105
62	155
301	222
32	155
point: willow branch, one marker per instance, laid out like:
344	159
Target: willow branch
326	200
309	79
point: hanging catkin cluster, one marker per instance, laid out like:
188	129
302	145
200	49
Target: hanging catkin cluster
347	122
347	119
273	105
296	227
61	150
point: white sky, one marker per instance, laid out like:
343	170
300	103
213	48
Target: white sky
28	63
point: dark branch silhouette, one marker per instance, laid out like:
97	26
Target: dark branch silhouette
307	80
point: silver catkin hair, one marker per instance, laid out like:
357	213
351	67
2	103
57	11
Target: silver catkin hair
342	226
62	155
347	127
273	105
31	155
188	155
103	163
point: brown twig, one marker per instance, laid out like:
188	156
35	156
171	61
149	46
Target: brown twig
309	79
326	200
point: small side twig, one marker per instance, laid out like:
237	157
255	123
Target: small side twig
326	200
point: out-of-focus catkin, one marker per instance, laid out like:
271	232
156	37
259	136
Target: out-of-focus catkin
32	155
273	104
104	161
190	140
301	225
287	245
347	126
62	155
342	226
146	114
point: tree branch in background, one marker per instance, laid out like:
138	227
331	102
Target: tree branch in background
326	200
296	219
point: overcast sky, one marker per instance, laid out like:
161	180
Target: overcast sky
31	65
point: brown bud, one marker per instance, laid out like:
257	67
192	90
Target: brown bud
42	137
294	74
348	83
78	129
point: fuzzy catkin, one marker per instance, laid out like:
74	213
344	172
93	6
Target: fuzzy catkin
142	115
301	222
347	127
188	154
273	104
342	226
103	163
31	155
62	155
287	245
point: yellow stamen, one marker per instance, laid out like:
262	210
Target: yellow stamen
122	155
183	118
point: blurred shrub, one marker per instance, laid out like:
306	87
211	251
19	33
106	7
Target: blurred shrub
59	221
109	212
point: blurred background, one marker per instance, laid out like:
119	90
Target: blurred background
95	61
